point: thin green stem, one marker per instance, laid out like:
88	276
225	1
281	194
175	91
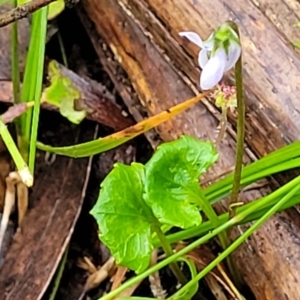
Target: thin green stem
240	131
239	155
242	238
207	226
58	275
277	161
24	172
223	237
168	251
212	216
291	188
254	210
41	20
32	85
167	261
62	49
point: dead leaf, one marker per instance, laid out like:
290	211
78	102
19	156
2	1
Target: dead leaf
46	230
96	278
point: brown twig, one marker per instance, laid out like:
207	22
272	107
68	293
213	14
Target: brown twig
22	11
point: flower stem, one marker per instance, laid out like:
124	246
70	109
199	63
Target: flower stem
239	153
240	131
240	239
168	250
22	167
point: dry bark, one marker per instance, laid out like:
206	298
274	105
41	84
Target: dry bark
22	11
41	241
143	35
100	105
96	100
5	49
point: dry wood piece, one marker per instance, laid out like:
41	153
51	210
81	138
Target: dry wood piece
118	76
46	230
13	112
143	35
22	11
95	99
5	48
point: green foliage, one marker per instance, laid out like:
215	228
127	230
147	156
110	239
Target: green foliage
55	8
121	137
135	199
172	180
296	44
62	94
32	86
123	217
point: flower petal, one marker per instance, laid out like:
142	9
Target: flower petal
213	70
209	43
234	53
193	37
202	58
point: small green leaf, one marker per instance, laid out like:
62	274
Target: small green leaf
21	2
172	180
296	44
62	93
297	24
55	8
124	219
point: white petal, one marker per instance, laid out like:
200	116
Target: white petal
209	43
193	37
213	70
234	53
202	58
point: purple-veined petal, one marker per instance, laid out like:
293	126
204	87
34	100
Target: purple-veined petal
213	70
202	58
234	53
193	37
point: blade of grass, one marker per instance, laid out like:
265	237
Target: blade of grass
253	171
22	167
121	137
58	275
242	238
259	207
232	222
32	85
39	23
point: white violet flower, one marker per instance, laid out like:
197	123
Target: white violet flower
218	54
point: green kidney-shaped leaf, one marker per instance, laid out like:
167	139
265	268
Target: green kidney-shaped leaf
172	180
123	217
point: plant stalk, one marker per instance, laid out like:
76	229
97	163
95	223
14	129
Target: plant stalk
169	252
239	155
240	131
212	233
242	238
